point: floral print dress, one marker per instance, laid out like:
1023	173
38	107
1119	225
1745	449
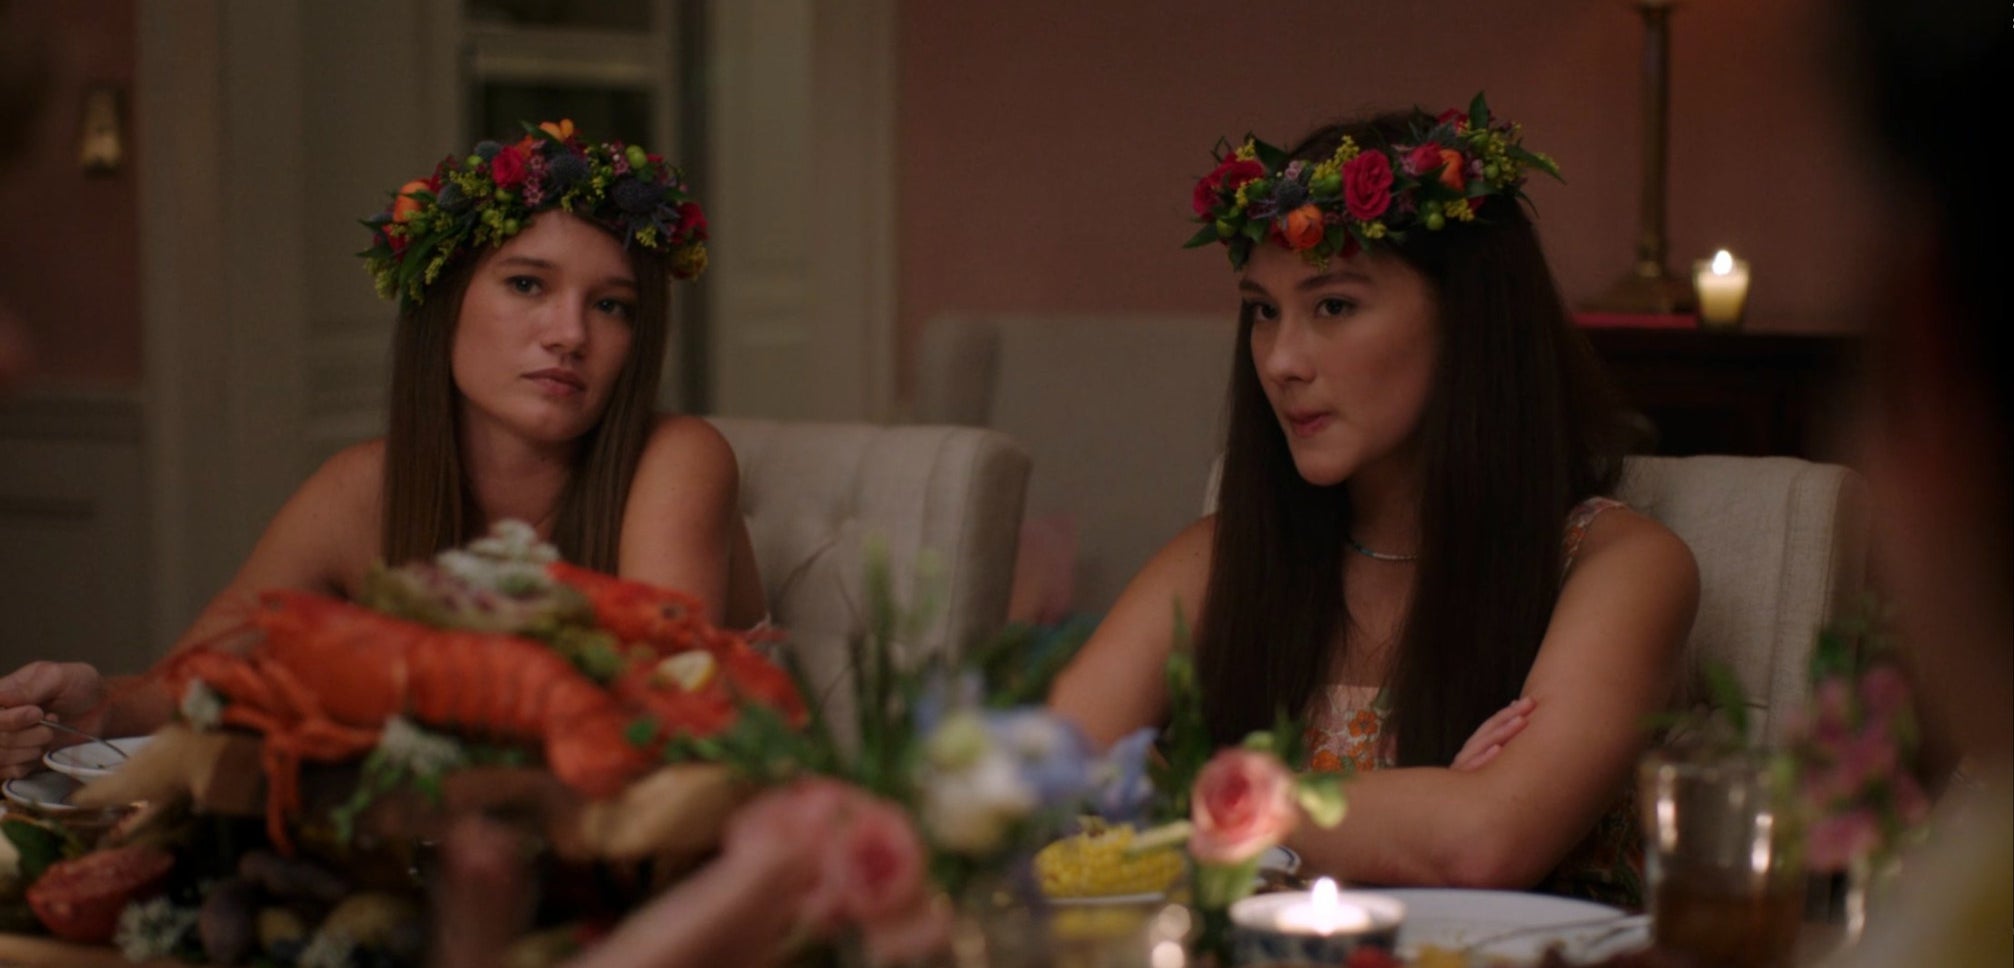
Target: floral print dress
1346	730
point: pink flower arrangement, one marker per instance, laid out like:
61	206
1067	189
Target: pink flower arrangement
1854	749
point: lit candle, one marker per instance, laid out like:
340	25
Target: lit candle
1323	913
1722	284
1318	927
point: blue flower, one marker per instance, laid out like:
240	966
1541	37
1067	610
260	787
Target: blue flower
636	196
1054	758
564	170
1122	788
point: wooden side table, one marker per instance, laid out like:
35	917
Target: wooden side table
1748	394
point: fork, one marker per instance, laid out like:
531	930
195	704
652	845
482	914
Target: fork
52	724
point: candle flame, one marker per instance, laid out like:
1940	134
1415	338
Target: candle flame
1326	913
1723	263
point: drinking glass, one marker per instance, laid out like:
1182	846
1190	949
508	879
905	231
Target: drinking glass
1724	849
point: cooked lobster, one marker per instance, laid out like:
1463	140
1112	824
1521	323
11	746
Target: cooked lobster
323	676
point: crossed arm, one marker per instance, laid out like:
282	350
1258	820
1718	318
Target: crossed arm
1504	812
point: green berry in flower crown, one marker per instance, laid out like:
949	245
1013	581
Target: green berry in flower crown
479	200
1444	171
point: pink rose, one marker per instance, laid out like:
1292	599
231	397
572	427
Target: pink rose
878	862
1227	177
1243	803
1367	185
507	169
799	819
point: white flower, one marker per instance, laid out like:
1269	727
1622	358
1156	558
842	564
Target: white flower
970	811
420	752
514	540
329	949
201	707
151	929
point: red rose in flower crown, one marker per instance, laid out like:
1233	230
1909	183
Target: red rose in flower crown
1367	185
1227	177
1437	174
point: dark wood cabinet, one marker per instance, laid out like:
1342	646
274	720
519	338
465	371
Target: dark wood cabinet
1751	394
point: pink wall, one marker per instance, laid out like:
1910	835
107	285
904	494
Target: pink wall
70	263
1048	146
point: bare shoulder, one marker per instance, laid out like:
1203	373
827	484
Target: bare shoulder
1114	684
327	533
1176	578
687	447
1633	590
358	469
1626	540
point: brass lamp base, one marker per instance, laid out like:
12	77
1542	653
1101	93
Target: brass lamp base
1647	289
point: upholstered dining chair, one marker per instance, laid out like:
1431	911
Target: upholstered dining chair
816	496
1782	549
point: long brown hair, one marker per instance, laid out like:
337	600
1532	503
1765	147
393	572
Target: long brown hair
1519	427
428	504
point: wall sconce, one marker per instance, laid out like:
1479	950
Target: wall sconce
101	146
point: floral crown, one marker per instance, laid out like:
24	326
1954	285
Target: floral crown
492	194
1363	195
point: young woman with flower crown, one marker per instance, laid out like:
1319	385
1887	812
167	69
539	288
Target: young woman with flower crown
1412	553
532	281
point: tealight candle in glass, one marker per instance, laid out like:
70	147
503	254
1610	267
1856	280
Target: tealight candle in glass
1315	927
1722	285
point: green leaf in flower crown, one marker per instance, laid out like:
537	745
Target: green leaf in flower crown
1204	236
1479	112
1537	161
1241	252
1273	158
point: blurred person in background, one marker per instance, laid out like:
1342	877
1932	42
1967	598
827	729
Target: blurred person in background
1928	78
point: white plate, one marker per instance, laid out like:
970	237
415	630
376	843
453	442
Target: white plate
1110	900
1458	920
90	760
45	792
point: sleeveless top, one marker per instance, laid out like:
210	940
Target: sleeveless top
1346	730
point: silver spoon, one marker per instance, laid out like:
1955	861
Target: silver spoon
78	732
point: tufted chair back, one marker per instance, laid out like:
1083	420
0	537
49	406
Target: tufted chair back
816	494
1782	549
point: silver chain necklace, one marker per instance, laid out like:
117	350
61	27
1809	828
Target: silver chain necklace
1377	555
